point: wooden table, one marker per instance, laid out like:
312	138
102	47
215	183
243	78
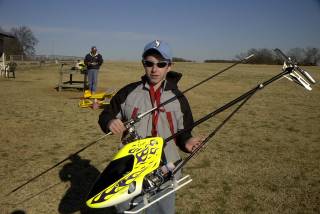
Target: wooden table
71	72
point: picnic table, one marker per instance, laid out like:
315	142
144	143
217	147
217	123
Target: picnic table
69	73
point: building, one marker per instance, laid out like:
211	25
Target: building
2	51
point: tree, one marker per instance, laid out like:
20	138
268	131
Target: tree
25	41
312	56
303	56
241	56
178	59
12	47
262	56
297	54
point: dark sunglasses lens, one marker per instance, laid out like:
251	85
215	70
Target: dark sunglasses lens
162	64
147	63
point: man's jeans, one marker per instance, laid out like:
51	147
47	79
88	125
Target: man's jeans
92	79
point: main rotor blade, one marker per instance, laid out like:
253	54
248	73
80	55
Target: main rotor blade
305	74
297	78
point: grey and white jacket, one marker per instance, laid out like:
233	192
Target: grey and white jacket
174	116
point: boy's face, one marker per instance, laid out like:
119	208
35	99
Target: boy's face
154	71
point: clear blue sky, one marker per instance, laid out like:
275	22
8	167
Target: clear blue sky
195	29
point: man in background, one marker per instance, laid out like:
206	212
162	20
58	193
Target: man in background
93	61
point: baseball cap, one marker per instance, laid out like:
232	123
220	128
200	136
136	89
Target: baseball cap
160	46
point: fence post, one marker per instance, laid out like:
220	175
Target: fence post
3	60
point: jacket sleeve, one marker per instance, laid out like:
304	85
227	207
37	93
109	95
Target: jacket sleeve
114	109
100	60
111	111
187	122
86	60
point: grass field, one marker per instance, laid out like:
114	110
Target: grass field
265	160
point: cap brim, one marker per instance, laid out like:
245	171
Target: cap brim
151	51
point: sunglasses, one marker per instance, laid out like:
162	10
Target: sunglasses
160	64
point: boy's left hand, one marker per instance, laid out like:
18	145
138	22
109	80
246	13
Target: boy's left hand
193	143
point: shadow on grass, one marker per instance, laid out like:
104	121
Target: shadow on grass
81	175
18	212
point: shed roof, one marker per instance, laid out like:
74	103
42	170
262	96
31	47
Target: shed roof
5	34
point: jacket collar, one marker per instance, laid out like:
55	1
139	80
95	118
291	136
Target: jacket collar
170	82
93	55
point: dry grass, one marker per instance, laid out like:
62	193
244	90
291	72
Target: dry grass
265	160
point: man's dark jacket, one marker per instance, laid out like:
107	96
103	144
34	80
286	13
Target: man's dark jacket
93	61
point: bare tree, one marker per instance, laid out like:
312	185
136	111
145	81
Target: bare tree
297	54
241	56
312	56
303	56
12	47
262	56
25	42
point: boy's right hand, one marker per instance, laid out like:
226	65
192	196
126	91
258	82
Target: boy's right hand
116	126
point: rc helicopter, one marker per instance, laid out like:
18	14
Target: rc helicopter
138	176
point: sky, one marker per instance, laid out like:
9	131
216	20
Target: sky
195	29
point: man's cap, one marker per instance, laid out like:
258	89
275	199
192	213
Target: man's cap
160	46
93	47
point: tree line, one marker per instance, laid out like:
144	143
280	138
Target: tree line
303	56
